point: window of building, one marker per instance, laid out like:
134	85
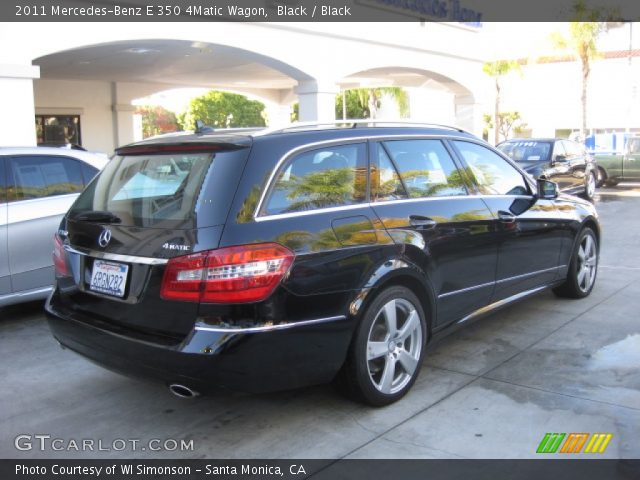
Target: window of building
58	129
492	173
328	177
426	168
40	176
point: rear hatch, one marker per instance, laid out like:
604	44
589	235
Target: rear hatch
149	204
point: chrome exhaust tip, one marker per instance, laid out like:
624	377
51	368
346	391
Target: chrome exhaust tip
182	391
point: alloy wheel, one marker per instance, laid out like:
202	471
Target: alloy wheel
591	186
587	263
394	346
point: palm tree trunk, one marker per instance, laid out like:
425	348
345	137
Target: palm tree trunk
585	80
372	100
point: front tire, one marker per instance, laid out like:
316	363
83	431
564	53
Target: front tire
602	177
387	350
583	267
590	186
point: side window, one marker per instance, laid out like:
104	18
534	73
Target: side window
88	172
40	176
3	182
492	173
558	149
385	181
571	148
426	168
326	177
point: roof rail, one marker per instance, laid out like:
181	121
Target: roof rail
355	123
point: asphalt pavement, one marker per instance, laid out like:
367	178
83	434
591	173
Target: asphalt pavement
491	390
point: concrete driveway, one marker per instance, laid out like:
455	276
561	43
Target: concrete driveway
491	390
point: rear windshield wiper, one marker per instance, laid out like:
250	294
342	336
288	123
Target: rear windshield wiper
96	216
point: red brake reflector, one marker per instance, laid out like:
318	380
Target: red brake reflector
60	257
247	273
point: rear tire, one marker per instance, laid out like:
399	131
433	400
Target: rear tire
387	349
583	267
611	182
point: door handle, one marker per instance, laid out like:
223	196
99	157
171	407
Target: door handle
421	222
506	217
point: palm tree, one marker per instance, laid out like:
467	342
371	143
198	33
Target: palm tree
497	70
365	102
582	44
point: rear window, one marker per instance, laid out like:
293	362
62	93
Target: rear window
526	151
161	190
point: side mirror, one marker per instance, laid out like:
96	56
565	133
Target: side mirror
546	189
559	159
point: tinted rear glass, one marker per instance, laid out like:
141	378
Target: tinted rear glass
526	151
161	190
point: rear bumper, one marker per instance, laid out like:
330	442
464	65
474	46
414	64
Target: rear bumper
250	360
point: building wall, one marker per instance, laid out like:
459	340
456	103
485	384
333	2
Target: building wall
548	95
91	100
451	54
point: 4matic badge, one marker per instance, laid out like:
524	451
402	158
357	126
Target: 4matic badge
173	246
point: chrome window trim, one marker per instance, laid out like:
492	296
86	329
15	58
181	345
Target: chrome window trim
342	141
115	256
502	280
269	328
277	216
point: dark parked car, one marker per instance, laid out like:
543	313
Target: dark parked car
270	261
562	161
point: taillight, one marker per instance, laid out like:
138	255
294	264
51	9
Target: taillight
247	273
59	257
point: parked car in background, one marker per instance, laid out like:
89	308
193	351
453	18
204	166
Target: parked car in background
617	168
287	258
71	146
562	161
37	187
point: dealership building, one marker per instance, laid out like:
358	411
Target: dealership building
79	81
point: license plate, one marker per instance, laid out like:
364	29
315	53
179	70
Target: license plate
109	278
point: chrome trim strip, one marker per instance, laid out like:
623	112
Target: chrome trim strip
467	289
530	274
269	328
116	256
501	303
341	141
503	280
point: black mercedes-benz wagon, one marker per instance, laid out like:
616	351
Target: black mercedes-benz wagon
271	260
